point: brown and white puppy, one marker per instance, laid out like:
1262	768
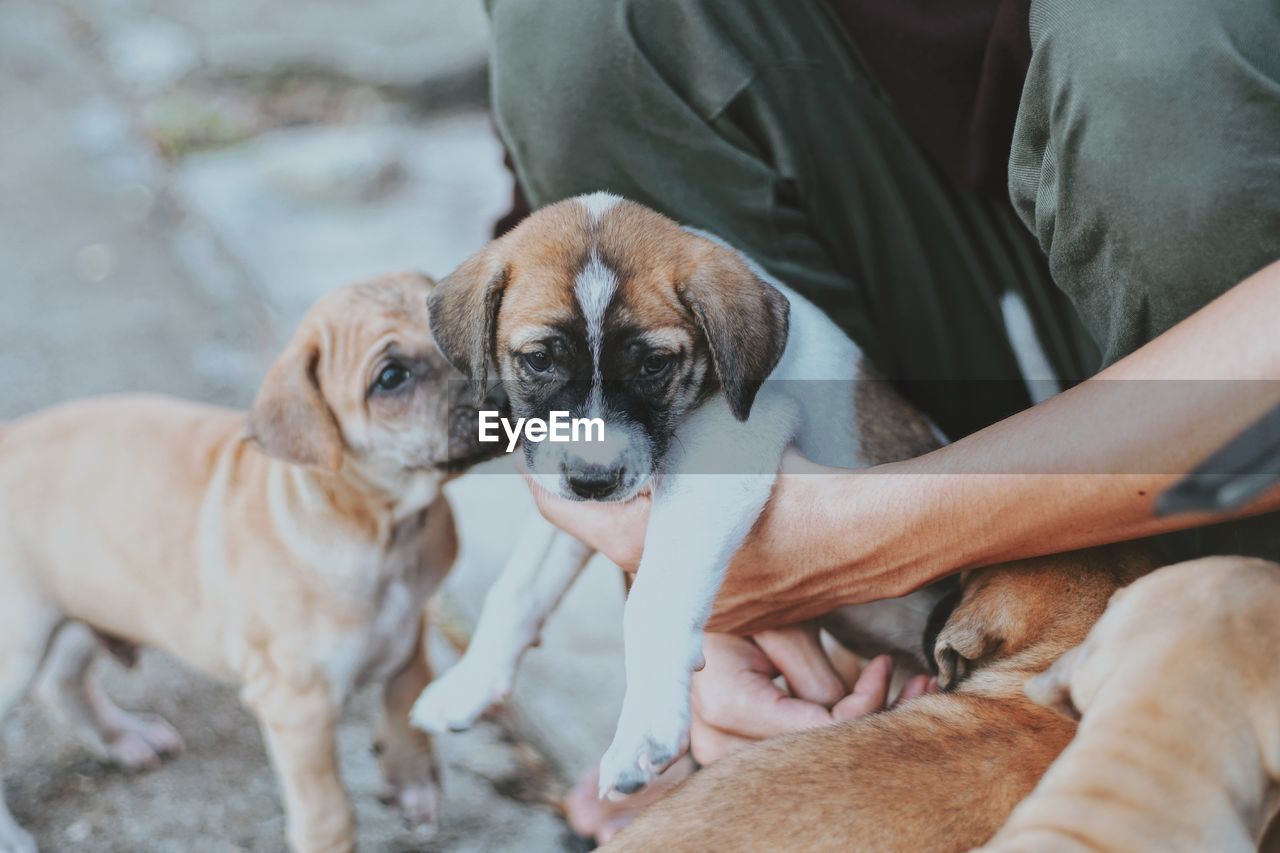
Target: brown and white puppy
1179	745
938	773
601	308
291	550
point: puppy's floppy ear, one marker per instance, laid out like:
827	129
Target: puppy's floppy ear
960	644
290	419
974	631
744	319
464	315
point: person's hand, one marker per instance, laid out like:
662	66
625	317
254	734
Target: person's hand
614	528
737	702
767	584
617	528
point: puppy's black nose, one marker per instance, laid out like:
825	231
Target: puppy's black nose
594	481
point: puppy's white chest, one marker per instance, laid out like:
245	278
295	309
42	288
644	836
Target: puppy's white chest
394	630
379	645
384	640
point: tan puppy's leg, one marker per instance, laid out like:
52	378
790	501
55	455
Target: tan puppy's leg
300	728
22	643
406	756
68	683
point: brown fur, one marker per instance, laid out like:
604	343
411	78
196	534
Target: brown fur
300	572
940	773
889	428
1179	746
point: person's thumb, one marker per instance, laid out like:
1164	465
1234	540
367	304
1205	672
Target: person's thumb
869	694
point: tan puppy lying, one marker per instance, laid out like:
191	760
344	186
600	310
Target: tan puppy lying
1179	747
939	773
291	550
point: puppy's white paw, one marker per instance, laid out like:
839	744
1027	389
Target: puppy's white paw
141	741
455	701
639	753
14	839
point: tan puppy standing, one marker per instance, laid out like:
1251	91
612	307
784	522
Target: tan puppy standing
938	773
290	550
1179	745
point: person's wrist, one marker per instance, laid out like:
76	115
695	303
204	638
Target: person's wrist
888	528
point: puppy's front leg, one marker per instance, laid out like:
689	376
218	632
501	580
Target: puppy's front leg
687	549
541	568
299	724
698	522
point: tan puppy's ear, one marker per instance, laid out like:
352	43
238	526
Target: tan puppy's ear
290	419
964	640
744	319
1052	688
464	316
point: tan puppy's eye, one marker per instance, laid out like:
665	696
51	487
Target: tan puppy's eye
654	364
392	376
539	360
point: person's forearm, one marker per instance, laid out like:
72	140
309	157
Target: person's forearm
1081	469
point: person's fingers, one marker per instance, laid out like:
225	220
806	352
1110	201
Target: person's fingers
591	817
917	685
869	694
616	529
798	654
756	708
736	693
847	664
708	743
583	807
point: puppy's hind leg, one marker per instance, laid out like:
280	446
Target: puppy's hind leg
68	683
22	645
406	756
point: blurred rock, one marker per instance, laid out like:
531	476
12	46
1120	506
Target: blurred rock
104	131
152	53
387	42
333	168
302	231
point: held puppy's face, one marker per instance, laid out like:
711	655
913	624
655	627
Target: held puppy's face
363	383
602	308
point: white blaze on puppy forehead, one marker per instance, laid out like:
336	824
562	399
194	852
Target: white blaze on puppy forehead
594	289
595	286
597	204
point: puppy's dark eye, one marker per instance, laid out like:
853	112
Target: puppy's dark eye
391	377
654	364
539	361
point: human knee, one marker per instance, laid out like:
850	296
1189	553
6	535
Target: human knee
559	73
1139	156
